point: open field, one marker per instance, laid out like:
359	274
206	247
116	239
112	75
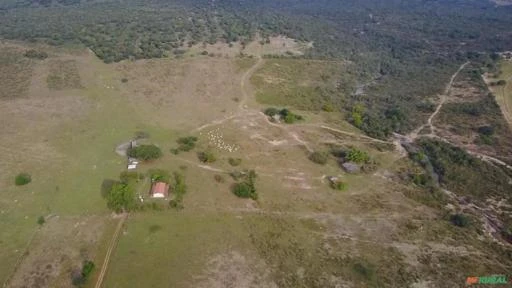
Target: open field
63	129
504	93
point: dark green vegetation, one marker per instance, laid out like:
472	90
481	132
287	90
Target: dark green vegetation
185	144
22	179
460	172
393	45
145	152
81	278
179	189
206	157
460	220
246	188
286	115
41	220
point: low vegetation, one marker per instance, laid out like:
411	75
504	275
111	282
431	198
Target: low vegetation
338	185
145	152
460	220
185	144
283	114
179	188
22	179
36	54
246	188
234	161
319	157
206	157
80	279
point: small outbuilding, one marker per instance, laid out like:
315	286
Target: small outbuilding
159	190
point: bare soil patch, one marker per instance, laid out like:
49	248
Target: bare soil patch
59	248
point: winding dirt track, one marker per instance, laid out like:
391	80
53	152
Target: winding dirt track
111	247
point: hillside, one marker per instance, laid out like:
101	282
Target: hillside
298	143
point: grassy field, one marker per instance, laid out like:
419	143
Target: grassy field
504	93
303	84
64	127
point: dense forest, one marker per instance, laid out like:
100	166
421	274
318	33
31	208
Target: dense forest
403	50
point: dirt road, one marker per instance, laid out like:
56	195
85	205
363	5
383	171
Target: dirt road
111	248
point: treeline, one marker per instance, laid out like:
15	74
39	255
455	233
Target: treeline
403	51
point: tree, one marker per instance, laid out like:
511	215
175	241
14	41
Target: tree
121	197
145	152
22	179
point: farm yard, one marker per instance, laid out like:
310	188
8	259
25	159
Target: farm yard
205	116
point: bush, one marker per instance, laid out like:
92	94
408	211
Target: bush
271	111
460	220
159	175
501	83
328	107
187	143
244	190
319	157
206	157
338	185
81	278
33	54
22	179
124	80
234	161
357	156
41	220
219	178
145	152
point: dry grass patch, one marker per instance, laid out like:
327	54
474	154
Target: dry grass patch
15	73
63	74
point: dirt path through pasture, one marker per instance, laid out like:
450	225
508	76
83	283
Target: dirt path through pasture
111	248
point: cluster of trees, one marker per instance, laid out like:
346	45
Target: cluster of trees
80	278
285	114
246	188
145	152
394	45
206	156
179	189
185	144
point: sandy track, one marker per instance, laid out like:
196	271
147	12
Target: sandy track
111	248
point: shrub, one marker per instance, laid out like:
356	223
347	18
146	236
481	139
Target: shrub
175	151
271	111
22	179
124	80
219	178
160	175
242	190
33	54
328	107
187	143
501	83
81	278
234	161
319	157
145	152
41	220
206	157
246	189
357	156
460	220
338	185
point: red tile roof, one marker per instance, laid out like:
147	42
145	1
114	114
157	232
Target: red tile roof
160	188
